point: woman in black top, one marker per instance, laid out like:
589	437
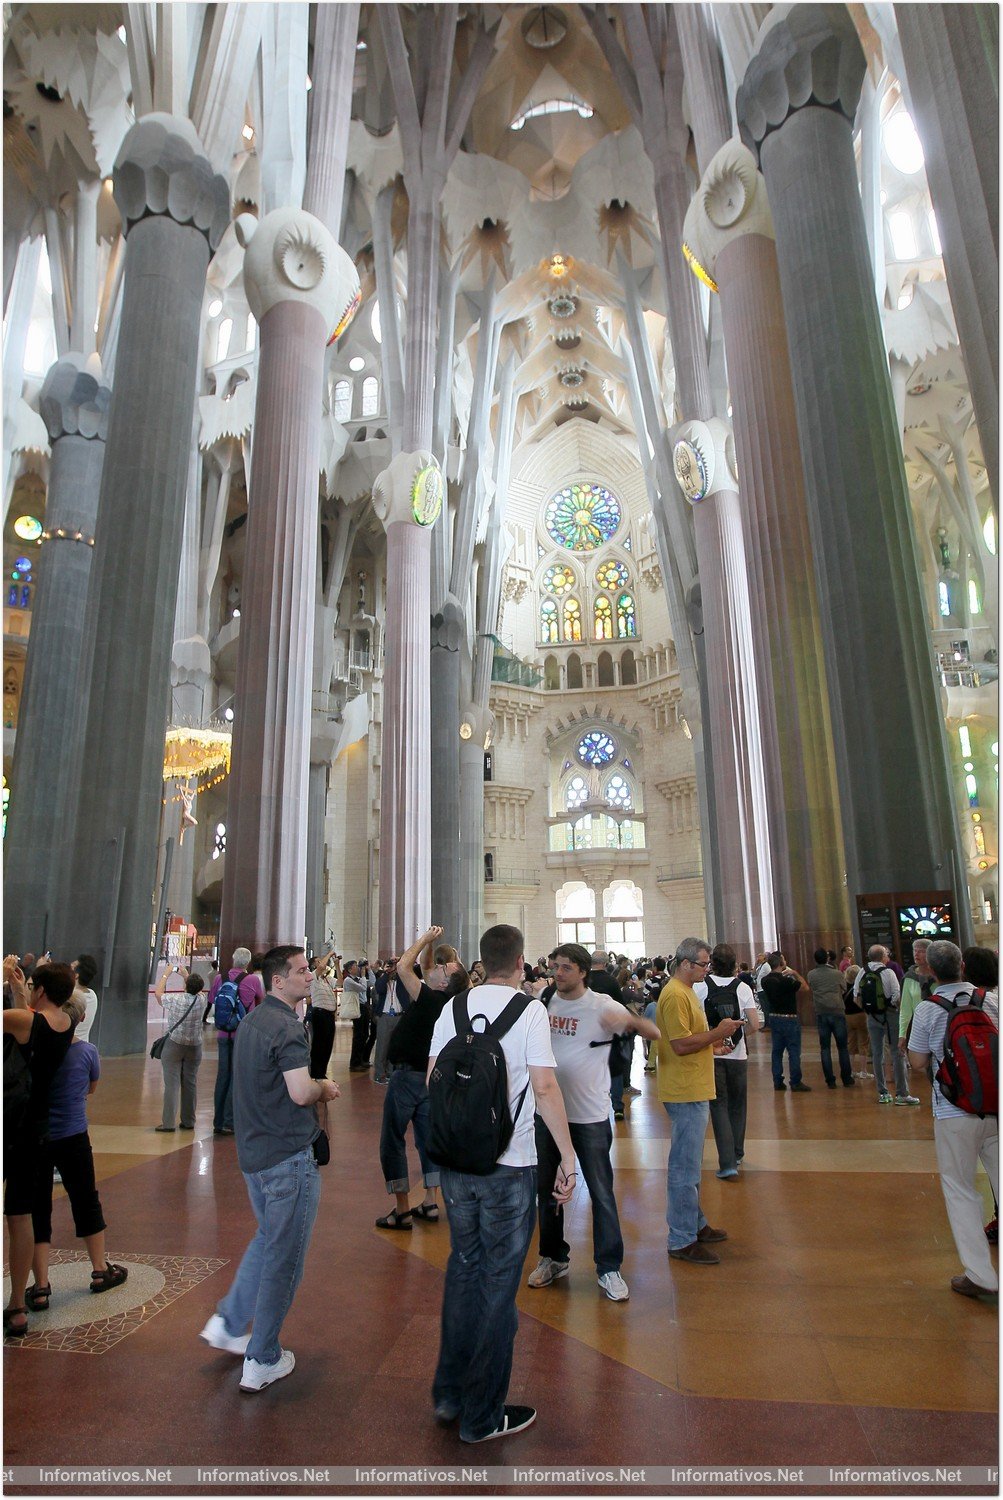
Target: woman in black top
43	1032
406	1099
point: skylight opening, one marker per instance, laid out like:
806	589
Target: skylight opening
902	143
554	107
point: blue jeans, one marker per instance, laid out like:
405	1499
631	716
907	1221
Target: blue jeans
684	1216
405	1102
222	1111
786	1034
592	1147
829	1026
490	1229
285	1199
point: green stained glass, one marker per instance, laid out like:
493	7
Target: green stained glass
558	579
583	516
626	621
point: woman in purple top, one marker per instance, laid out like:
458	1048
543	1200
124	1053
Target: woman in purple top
68	1147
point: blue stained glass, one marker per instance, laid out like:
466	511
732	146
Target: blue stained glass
583	516
596	748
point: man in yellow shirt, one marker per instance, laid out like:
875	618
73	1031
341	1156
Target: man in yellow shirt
686	1086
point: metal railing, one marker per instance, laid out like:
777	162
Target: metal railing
502	876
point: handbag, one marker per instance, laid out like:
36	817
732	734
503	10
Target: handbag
156	1051
322	1142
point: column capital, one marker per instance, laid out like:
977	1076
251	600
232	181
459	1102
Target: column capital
703	457
730	203
812	55
161	170
411	489
476	726
291	257
324	737
73	400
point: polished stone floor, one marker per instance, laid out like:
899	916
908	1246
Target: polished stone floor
828	1334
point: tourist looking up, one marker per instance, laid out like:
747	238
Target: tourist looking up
86	970
182	1054
781	989
323	1009
355	1008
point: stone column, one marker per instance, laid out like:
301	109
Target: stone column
703	455
475	737
796	107
74	405
729	232
951	55
301	288
322	745
174	210
407	498
446	636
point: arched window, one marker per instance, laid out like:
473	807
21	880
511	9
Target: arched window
551	674
626	620
549	633
251	335
617	792
574	670
605	665
603	619
572	620
576	792
223	337
342	400
370	396
628	669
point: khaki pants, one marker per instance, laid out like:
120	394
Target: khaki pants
962	1142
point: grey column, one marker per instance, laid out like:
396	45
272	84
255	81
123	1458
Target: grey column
316	819
796	108
951	55
476	727
74	405
299	282
444	725
175	210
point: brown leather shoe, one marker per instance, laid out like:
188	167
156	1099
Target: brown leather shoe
966	1288
709	1236
697	1254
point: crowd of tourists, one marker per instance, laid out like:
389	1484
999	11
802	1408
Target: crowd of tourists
512	1077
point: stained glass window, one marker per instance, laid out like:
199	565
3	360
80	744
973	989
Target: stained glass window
603	619
611	575
576	792
583	516
595	748
619	835
580	834
627	544
558	579
548	622
617	792
572	620
626	623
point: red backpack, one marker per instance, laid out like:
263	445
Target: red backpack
968	1076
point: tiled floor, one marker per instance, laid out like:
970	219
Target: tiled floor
828	1334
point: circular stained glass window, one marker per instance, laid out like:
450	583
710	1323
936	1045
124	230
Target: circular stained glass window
595	748
558	579
582	517
611	575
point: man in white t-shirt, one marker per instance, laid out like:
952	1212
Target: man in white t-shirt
582	1026
961	1139
491	1217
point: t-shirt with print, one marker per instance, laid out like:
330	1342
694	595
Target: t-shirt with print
526	1045
686	1078
746	997
583	1069
929	1032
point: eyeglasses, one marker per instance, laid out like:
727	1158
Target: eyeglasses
700	964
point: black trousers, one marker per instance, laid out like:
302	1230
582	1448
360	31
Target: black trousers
322	1041
75	1160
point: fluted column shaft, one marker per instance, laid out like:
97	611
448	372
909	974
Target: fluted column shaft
316	819
160	173
951	55
479	720
444	725
264	891
790	663
53	695
337	31
405	815
898	820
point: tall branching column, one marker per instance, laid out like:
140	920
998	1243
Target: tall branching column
174	210
796	108
300	285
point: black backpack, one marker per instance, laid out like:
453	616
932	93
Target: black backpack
721	1003
871	995
471	1124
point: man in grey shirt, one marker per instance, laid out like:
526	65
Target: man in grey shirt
276	1127
827	988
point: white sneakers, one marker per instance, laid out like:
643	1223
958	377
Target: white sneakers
255	1376
614	1286
215	1333
547	1271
